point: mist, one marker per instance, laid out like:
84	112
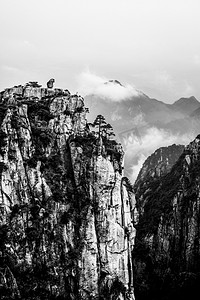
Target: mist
92	84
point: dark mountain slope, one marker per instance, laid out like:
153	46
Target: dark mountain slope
160	162
196	113
167	249
156	166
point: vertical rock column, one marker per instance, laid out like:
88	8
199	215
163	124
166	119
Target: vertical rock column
109	235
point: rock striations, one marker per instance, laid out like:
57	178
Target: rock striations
65	207
167	244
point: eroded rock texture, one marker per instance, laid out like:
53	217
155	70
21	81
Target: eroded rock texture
167	249
65	207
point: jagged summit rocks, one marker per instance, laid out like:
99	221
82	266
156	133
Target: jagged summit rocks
114	81
66	209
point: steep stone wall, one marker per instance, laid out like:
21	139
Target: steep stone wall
167	250
65	207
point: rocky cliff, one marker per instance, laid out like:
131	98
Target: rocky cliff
155	166
167	250
65	207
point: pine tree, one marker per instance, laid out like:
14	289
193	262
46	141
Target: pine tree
100	123
108	130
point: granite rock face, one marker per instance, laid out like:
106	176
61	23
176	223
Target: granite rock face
65	207
167	251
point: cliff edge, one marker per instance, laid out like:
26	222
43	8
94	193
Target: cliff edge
65	207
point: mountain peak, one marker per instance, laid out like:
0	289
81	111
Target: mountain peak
184	100
193	98
115	81
186	105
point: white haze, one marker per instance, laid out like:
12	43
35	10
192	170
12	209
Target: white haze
136	152
92	84
139	145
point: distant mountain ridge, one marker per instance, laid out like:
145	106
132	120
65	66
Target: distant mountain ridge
124	114
195	113
186	105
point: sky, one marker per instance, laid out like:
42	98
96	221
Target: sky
151	45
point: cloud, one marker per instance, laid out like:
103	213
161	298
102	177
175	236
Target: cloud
90	83
196	59
163	79
135	169
188	90
137	150
176	86
10	69
14	75
166	85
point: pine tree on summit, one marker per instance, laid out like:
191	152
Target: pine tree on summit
108	130
104	129
100	123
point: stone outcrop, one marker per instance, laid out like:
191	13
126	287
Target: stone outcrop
50	83
167	251
65	207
